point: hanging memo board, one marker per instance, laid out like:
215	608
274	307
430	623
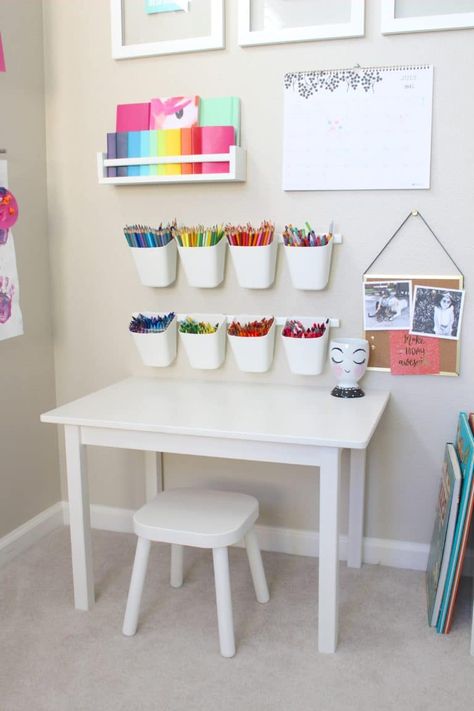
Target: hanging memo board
365	128
379	341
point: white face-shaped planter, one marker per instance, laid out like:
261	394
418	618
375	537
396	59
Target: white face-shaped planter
349	357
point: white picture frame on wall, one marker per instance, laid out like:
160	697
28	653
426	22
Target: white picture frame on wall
120	50
353	27
391	24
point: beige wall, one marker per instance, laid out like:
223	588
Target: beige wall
96	288
29	472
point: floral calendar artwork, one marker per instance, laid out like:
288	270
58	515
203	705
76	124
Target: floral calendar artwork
358	129
11	321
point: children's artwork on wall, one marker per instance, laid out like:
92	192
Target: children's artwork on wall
11	321
174	112
364	128
437	313
387	305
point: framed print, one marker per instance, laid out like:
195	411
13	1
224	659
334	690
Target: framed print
276	21
398	16
170	28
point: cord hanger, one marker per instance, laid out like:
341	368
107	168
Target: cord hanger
414	213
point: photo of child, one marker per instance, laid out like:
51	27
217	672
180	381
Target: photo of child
437	312
387	305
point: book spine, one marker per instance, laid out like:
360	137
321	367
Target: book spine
144	151
217	139
122	152
153	148
161	150
196	147
112	153
464	441
172	148
186	150
133	151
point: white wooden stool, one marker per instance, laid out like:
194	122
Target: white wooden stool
203	519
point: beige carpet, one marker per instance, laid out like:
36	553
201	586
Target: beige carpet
53	658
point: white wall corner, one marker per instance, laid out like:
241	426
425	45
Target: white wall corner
31	531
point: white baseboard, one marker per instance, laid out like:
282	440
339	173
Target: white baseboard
30	532
397	554
378	551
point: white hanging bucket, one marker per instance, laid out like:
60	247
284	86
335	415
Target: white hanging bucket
206	351
204	266
156	266
309	266
253	354
307	356
255	266
158	348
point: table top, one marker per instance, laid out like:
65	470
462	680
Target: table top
259	412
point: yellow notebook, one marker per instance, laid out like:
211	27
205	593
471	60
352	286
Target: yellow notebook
169	144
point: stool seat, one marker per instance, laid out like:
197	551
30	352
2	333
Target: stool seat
204	519
197	517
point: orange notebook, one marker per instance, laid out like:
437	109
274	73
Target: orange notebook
186	150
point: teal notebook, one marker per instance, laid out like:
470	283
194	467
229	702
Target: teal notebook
221	111
465	451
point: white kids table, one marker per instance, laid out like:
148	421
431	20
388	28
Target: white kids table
256	422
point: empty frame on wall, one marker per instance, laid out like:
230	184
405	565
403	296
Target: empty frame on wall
398	16
192	27
277	21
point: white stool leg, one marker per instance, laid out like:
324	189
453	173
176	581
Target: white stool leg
130	620
176	574
256	567
224	602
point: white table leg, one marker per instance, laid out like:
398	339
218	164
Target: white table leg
330	480
79	519
153	474
356	508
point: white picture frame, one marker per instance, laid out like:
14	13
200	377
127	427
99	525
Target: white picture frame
391	24
120	50
355	27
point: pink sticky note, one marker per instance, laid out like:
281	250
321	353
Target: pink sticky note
3	67
413	355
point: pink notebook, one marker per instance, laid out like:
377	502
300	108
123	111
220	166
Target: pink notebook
216	139
133	117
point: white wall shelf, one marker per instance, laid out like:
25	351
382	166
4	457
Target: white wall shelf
237	159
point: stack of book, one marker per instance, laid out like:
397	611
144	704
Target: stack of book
454	514
174	126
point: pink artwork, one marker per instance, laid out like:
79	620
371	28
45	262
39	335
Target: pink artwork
8	209
413	355
3	67
7	289
174	112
